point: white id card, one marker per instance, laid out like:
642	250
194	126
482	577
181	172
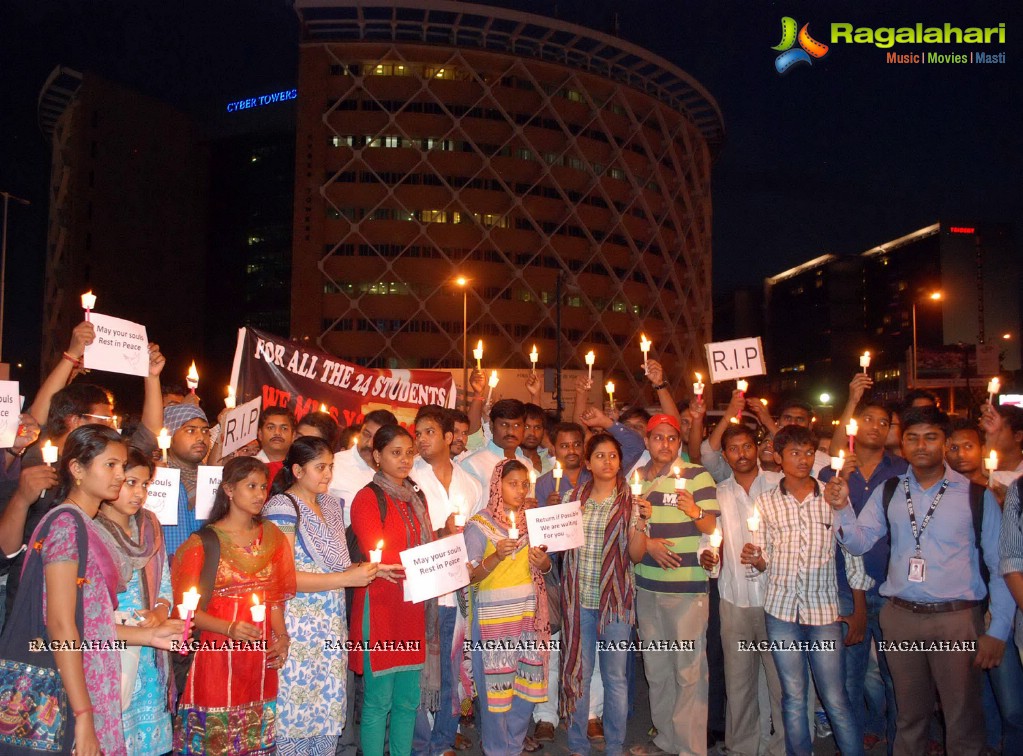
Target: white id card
917	570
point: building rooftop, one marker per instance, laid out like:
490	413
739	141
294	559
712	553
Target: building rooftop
467	25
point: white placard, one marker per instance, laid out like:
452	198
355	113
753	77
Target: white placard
739	358
1005	477
559	527
241	425
206	487
163	495
120	346
435	568
9	413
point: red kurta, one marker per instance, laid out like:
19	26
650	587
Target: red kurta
391	618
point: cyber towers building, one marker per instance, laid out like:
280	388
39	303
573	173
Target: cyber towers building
564	172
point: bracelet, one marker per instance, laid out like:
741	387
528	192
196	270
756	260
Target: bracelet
660	386
548	570
697	519
163	601
230	628
73	360
80	712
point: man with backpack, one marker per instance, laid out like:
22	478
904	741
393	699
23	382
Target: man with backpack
933	622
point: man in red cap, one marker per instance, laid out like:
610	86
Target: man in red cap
671	597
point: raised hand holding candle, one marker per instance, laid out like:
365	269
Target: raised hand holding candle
192	378
186	609
377	554
534	357
88	303
837	463
492	384
644	347
698	388
258	610
591	358
865	361
229	400
850	431
993	387
163	441
477	353
610	388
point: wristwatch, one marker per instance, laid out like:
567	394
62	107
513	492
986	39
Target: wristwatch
660	386
702	513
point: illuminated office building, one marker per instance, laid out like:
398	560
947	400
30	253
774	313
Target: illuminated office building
438	139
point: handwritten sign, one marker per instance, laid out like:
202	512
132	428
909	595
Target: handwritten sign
163	494
206	485
241	426
120	346
559	527
10	404
739	358
435	568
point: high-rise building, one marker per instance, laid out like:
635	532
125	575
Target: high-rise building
937	308
564	172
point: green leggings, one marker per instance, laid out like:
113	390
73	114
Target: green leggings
395	693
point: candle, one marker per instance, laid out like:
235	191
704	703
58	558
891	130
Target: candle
192	378
186	610
375	555
837	463
458	501
742	385
258	610
644	347
492	384
753	523
88	302
323	408
680	482
513	532
698	388
865	361
850	431
590	359
637	484
478	354
534	357
50	453
229	400
715	544
716	538
163	441
993	387
532	484
610	388
991	463
557	472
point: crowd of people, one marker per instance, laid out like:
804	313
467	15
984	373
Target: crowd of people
773	583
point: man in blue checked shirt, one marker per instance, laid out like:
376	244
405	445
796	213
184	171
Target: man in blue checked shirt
934	588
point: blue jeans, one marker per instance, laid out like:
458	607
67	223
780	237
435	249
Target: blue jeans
1007	684
616	686
445	722
828	669
873	707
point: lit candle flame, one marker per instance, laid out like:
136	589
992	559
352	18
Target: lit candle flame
742	385
88	300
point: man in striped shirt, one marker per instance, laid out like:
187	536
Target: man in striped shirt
671	591
795	545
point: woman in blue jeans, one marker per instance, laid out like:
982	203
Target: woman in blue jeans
598	598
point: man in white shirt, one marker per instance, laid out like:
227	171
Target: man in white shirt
354	468
742	601
449	490
506	423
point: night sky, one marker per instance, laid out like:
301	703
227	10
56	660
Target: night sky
834	157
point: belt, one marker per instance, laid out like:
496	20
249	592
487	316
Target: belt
921	607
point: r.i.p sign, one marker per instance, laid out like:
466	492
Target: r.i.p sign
739	358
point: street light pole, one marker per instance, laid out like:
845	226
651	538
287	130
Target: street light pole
934	296
463	282
3	262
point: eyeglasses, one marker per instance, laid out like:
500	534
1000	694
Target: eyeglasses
112	420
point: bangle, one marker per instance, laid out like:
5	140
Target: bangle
659	386
230	627
163	601
73	360
548	570
80	712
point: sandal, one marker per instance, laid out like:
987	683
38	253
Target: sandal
529	745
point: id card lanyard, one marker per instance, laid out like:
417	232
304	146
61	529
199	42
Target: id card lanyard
917	532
